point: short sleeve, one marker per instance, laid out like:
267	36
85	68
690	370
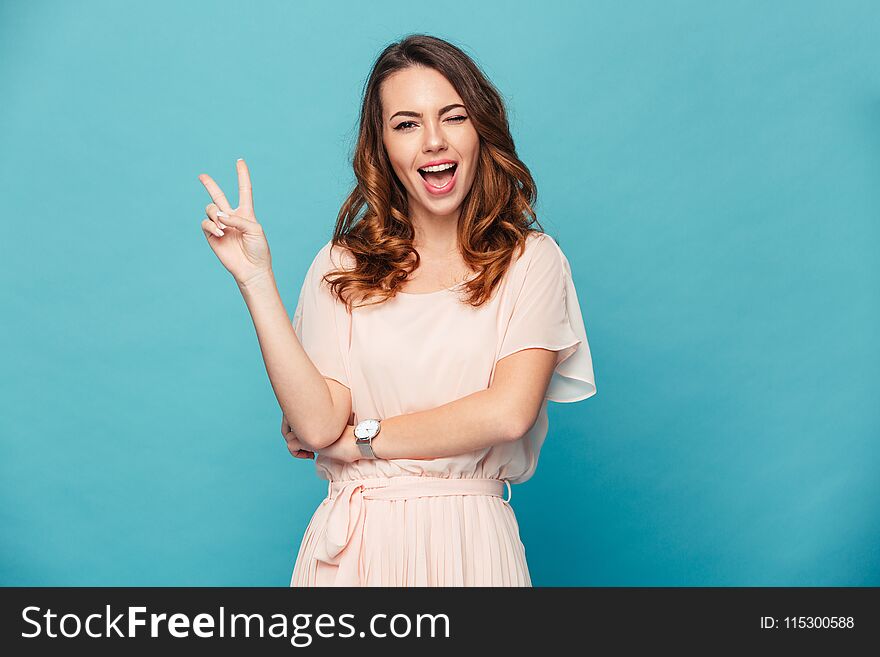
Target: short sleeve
322	323
545	313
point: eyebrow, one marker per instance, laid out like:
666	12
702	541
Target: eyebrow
418	115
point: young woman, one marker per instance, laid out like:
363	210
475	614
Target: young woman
429	334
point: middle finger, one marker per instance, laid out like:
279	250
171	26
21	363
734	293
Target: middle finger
245	191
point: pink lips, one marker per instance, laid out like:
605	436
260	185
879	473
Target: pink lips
440	191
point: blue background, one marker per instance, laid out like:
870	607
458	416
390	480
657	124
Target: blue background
711	170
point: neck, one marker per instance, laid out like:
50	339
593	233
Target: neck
436	235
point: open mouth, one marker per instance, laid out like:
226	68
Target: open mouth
439	180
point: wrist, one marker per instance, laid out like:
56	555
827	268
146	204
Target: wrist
351	442
365	434
262	281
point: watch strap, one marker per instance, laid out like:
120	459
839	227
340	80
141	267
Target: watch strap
366	449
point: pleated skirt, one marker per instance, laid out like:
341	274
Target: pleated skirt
356	538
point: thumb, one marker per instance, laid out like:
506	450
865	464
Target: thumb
244	225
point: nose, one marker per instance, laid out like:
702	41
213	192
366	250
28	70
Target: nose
434	139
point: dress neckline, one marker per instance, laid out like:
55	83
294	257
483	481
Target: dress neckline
535	234
445	289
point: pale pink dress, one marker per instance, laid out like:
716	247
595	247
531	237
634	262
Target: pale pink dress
442	521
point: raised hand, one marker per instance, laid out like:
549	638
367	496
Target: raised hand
235	235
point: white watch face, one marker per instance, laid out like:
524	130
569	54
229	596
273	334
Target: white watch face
366	428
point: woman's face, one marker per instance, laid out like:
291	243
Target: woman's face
425	121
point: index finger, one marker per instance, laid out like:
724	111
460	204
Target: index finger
245	191
216	193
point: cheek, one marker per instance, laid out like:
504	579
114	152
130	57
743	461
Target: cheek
403	175
469	182
472	169
474	156
399	163
397	167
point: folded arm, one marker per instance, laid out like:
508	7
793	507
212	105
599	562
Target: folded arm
503	412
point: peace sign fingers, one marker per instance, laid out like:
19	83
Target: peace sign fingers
245	191
216	193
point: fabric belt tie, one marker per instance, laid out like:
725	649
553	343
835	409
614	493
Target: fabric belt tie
340	538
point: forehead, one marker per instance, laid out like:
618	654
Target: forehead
416	88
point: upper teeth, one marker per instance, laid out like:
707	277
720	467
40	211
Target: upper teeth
439	167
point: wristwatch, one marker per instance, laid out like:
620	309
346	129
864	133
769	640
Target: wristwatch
364	433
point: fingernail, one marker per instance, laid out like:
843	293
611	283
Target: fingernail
220	213
221	233
239	159
221	224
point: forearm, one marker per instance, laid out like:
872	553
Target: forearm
300	389
476	421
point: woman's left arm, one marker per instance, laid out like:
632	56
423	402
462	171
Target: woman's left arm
502	413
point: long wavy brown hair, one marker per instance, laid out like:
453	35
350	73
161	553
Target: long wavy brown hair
374	224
